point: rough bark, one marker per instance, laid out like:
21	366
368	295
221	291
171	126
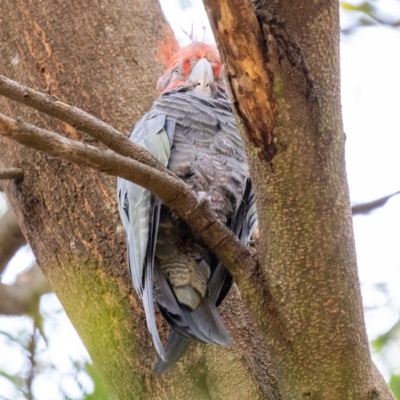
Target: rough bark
99	56
317	341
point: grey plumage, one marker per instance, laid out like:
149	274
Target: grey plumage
197	138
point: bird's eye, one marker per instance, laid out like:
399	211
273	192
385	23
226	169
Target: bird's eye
175	72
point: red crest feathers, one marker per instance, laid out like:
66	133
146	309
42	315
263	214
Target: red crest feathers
167	47
171	55
194	50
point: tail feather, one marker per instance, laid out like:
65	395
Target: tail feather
204	324
175	349
180	318
209	323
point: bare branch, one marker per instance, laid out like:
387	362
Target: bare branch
32	349
77	118
12	174
32	361
22	297
366	208
169	188
11	238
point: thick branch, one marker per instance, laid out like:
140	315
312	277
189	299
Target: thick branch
237	31
366	208
306	249
170	189
77	118
11	238
11	174
22	297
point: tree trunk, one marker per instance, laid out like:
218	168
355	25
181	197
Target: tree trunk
317	341
100	56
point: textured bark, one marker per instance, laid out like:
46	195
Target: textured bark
99	56
317	341
242	49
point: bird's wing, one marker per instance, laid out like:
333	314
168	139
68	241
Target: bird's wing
246	219
175	349
189	325
203	324
243	225
140	211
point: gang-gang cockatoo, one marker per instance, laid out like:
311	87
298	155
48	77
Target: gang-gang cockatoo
191	129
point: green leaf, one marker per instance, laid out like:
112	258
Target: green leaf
14	379
380	342
363	7
394	384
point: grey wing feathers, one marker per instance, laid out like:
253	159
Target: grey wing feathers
175	349
246	220
197	137
139	211
244	224
203	324
148	302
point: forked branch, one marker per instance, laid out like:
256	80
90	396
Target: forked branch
77	118
170	189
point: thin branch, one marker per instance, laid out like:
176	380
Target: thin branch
11	238
11	174
366	208
32	360
369	20
23	296
77	118
169	188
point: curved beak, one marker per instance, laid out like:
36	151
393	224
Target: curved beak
202	76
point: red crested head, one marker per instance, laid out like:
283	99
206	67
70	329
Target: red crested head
180	66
